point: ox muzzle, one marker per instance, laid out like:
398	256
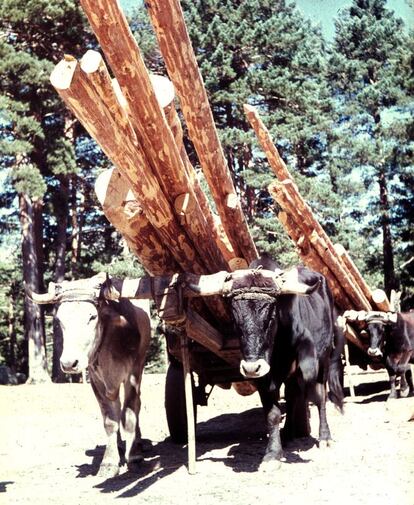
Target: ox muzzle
374	352
254	369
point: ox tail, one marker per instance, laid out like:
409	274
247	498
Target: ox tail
336	369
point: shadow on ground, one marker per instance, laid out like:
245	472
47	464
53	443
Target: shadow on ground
242	433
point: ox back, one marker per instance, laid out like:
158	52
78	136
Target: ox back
290	339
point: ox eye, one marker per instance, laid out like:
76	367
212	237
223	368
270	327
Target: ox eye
94	316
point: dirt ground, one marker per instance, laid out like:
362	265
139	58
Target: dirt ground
52	439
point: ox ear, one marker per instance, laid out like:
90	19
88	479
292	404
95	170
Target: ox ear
43	298
289	283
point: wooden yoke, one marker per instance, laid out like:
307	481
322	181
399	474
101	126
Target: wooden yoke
146	117
168	21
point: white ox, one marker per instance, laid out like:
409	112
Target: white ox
110	338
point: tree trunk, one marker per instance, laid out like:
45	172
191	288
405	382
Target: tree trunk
61	212
34	327
75	227
12	328
390	281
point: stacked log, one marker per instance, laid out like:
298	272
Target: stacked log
314	246
176	48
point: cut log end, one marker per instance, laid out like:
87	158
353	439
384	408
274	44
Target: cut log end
380	299
62	75
91	61
238	264
232	201
184	204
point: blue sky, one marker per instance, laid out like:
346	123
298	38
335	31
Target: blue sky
324	11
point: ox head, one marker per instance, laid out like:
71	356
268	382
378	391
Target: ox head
78	318
253	296
377	322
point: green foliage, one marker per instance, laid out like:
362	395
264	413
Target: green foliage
371	81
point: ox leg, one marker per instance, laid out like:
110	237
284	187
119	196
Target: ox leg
297	415
409	378
392	368
393	388
130	421
319	397
111	414
274	452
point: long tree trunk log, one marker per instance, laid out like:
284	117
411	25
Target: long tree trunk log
263	135
124	212
311	258
292	207
377	298
111	129
165	94
180	60
380	299
292	202
146	117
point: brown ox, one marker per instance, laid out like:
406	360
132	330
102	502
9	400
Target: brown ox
110	338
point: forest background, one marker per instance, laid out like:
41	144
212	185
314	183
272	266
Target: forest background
337	98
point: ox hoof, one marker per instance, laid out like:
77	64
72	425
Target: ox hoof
324	444
270	465
134	462
404	393
108	470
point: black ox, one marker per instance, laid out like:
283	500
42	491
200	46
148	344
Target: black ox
392	340
288	336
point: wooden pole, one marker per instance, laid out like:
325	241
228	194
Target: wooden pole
148	121
168	21
311	258
124	212
295	208
263	135
189	405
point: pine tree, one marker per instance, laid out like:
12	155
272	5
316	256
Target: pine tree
35	146
267	54
369	73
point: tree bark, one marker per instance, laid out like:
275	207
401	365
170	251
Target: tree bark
148	121
61	212
34	328
123	211
176	48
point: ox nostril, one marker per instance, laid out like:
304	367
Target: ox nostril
75	364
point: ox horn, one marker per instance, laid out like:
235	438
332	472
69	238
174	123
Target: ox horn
43	298
289	283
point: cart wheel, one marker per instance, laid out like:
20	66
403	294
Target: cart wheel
175	402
